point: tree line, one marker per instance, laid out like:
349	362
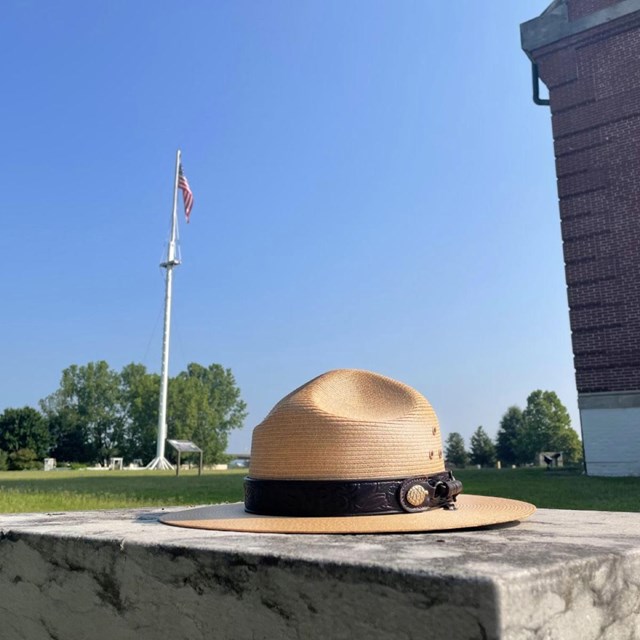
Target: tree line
98	413
544	425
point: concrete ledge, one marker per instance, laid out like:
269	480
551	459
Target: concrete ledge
561	575
609	400
554	24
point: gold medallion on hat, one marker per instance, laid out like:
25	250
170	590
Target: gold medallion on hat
416	495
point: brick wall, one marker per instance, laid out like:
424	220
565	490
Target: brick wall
594	88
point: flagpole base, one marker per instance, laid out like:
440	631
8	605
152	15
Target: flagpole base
159	464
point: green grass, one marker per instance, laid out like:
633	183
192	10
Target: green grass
561	489
37	491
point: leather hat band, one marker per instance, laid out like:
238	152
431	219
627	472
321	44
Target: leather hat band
318	498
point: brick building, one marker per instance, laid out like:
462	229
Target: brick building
587	52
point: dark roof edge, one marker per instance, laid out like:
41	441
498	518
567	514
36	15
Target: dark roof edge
553	6
554	25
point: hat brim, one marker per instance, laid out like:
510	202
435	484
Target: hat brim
472	511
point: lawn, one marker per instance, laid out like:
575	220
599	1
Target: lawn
40	491
561	489
35	491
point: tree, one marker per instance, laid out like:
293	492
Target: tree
455	452
547	427
87	409
98	413
508	447
204	406
140	393
483	451
24	428
67	431
23	460
570	444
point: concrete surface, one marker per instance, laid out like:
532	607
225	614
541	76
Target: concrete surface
566	575
554	24
611	440
611	432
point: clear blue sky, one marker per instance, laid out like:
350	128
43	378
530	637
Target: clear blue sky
374	188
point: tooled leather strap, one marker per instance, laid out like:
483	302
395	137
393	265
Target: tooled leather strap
317	498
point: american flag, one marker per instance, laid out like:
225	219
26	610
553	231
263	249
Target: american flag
187	196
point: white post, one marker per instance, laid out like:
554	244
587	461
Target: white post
160	462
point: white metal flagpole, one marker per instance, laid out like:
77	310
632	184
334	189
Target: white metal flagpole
160	462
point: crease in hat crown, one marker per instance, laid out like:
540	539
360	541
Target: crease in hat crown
348	424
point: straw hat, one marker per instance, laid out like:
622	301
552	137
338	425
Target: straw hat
351	452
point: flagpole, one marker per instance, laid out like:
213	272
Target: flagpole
160	462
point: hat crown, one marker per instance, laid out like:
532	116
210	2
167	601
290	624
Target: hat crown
351	395
348	424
